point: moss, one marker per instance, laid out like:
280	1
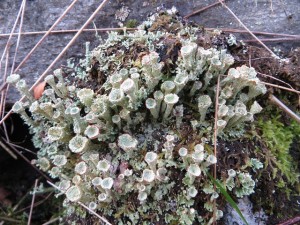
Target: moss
278	138
132	23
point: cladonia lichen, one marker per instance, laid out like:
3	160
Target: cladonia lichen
121	149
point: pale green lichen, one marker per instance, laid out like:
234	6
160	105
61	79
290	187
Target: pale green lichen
124	143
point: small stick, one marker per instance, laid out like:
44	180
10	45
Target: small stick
36	204
215	142
27	160
20	201
274	78
10	220
273	39
246	28
84	206
94	213
19	38
46	34
253	59
291	221
51	221
280	104
72	31
10	35
4	92
202	9
281	87
232	30
6	52
7	150
32	202
20	147
60	55
3	96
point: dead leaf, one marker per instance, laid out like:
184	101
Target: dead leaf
38	90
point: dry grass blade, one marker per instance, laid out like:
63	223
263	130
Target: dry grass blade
274	78
280	104
231	30
246	28
72	31
20	147
46	34
51	221
4	92
291	221
94	213
84	206
202	9
35	204
60	54
6	53
281	87
12	31
215	141
27	160
13	221
19	37
273	39
3	146
32	202
3	97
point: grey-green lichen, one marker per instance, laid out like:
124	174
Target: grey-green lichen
120	150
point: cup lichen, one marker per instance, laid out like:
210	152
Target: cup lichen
108	147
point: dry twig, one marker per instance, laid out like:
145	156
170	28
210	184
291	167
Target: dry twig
215	140
4	92
281	87
12	31
273	39
232	30
72	31
280	104
60	54
32	202
51	221
45	35
274	78
19	38
27	160
291	221
20	147
246	28
202	9
84	206
3	146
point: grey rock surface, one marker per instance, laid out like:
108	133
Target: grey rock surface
245	206
278	16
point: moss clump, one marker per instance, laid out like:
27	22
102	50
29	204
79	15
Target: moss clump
132	23
278	139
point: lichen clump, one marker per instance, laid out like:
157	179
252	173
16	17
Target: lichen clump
138	150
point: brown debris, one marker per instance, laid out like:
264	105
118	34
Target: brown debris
38	90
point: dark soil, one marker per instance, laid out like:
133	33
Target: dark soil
17	180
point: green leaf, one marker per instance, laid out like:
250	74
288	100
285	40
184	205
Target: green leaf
228	198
